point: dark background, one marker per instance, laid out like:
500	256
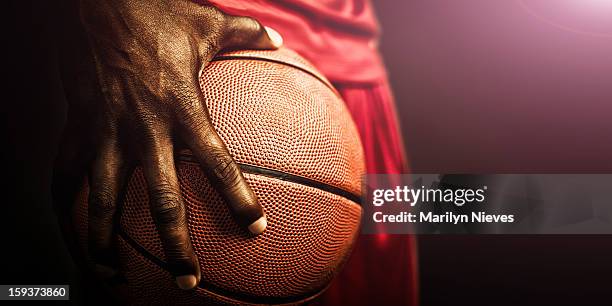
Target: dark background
506	86
481	86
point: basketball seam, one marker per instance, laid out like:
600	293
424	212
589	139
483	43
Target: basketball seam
287	177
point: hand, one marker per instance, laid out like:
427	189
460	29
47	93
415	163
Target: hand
147	57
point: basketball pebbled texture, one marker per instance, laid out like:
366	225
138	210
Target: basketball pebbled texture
274	112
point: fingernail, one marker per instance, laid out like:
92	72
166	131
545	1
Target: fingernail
277	39
186	282
259	226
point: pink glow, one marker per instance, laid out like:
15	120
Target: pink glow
485	86
587	17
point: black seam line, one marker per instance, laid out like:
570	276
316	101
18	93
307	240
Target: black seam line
284	176
300	180
264	59
241	297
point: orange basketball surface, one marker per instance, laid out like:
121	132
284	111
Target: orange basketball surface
299	149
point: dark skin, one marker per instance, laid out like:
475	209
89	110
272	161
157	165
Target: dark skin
130	71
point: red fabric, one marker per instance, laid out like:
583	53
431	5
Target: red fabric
383	268
339	37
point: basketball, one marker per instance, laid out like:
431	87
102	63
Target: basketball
299	150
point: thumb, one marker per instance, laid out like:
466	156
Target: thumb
248	33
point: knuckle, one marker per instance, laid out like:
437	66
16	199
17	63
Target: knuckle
170	217
164	194
177	250
102	202
240	31
226	171
245	24
168	211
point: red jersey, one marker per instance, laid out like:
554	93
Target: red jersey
338	36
